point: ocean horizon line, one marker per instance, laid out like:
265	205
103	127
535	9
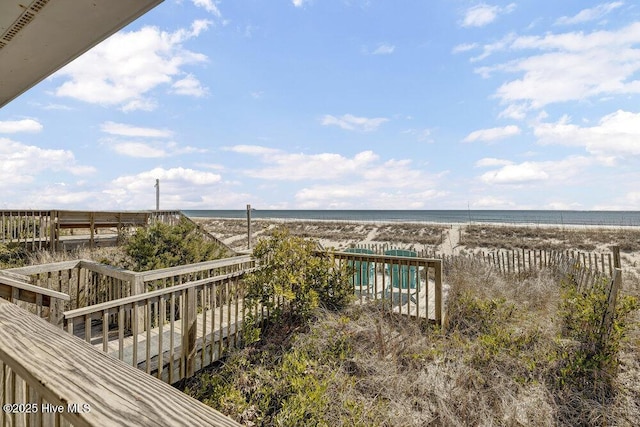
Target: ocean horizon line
559	217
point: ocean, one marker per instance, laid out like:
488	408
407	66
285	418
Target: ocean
605	218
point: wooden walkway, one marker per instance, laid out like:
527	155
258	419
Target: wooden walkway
218	329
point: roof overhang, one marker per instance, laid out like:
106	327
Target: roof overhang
38	37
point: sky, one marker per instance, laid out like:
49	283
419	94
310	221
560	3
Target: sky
339	104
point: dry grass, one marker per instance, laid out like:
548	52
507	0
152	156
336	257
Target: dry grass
496	364
107	255
557	238
411	233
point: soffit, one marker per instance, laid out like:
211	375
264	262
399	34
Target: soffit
38	37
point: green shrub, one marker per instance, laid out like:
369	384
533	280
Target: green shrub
161	245
588	354
293	278
12	255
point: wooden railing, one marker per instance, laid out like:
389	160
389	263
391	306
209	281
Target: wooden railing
44	303
48	377
37	229
86	282
174	331
407	285
31	228
512	260
172	276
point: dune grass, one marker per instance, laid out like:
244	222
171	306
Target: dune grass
557	238
502	360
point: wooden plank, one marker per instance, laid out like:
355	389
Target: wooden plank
190	333
44	268
27	289
192	268
108	270
66	370
143	296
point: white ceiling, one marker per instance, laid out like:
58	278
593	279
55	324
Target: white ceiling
37	37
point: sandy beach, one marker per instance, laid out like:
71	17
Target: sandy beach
453	238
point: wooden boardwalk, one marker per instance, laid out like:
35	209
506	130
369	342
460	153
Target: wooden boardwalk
218	329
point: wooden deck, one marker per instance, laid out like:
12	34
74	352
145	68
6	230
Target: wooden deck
213	339
37	229
69	382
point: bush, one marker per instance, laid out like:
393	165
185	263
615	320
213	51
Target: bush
588	353
12	255
161	245
293	278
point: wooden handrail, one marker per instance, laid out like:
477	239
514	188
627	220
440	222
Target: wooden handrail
97	308
32	289
62	370
192	268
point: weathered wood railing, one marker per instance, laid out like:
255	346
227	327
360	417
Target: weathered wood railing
407	285
39	229
89	282
512	260
174	330
31	228
167	277
48	377
44	303
86	282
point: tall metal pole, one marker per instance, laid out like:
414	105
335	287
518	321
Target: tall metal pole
248	226
157	194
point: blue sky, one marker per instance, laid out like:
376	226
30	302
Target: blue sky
339	104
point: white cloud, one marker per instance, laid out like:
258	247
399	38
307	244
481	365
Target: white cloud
493	202
515	112
350	196
256	150
295	167
351	122
422	135
492	134
16	126
563	206
122	129
125	68
570	66
516	174
299	3
347	182
142	148
209	6
616	135
590	14
181	188
464	47
484	14
384	49
173	175
537	172
21	163
138	149
149	150
490	162
189	86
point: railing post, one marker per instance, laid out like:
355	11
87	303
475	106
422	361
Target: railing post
137	288
189	333
56	308
438	296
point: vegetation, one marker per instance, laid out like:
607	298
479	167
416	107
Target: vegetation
514	352
294	279
411	233
161	245
531	237
12	255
